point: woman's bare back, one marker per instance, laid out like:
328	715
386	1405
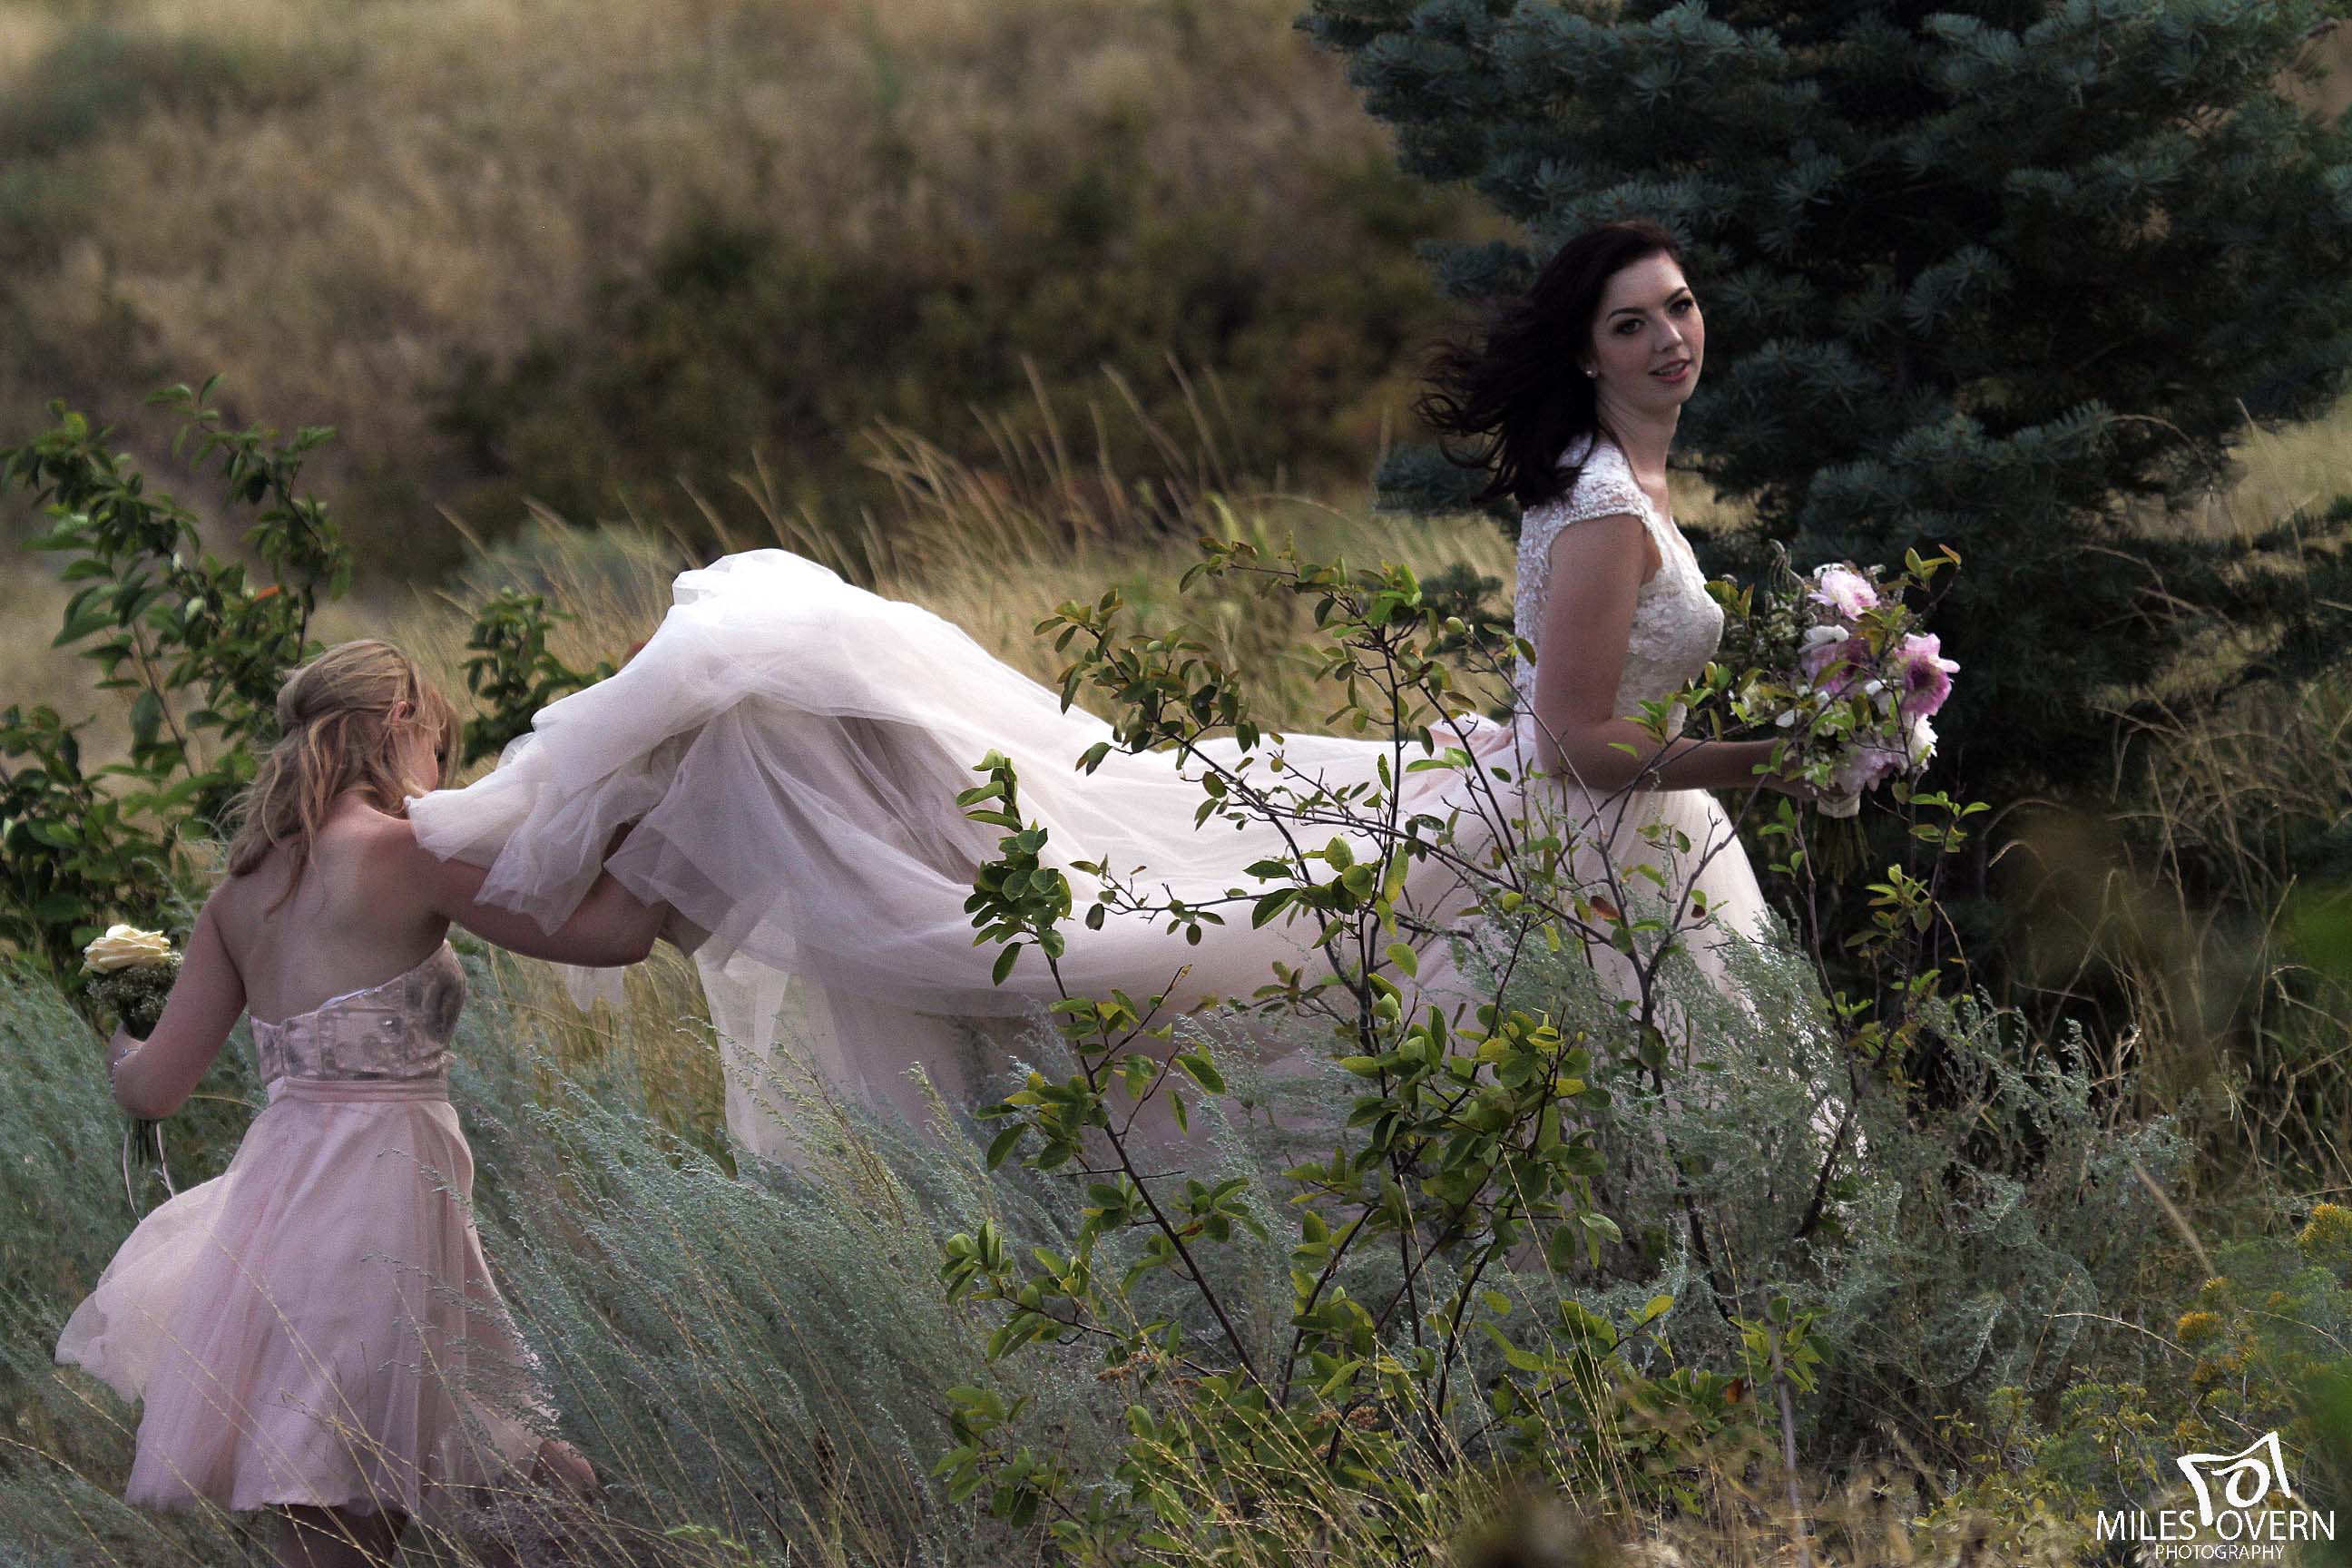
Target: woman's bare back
356	918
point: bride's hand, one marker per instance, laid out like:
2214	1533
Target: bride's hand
1829	802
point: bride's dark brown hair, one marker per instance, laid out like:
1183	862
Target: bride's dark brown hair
1514	387
336	732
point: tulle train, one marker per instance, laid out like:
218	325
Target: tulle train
791	746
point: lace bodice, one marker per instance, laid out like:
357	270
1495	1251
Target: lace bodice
400	1028
1676	626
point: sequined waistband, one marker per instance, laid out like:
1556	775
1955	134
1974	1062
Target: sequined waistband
433	1086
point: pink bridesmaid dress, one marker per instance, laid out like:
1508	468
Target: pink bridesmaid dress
316	1325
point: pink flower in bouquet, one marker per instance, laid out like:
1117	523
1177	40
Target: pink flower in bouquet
1866	767
1844	659
1844	590
1926	674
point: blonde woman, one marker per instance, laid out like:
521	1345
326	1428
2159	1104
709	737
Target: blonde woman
312	1331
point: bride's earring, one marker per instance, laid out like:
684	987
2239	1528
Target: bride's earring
1593	373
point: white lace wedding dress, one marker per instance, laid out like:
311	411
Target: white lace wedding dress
791	747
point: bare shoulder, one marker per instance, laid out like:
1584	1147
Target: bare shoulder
434	888
387	844
363	850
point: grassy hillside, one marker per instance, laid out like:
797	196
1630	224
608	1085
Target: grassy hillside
535	250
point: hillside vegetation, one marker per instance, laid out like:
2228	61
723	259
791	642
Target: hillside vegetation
541	250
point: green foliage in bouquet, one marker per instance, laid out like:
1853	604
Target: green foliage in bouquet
1832	678
1849	687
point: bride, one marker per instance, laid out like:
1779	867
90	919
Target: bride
789	746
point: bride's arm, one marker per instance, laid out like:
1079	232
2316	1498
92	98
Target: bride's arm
1595	577
611	927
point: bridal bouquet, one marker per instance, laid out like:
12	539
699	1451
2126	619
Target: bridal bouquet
131	971
1837	660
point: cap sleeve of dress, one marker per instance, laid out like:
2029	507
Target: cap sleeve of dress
1604	488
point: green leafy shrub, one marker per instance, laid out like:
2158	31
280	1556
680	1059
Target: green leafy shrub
1462	1299
2258	1347
199	646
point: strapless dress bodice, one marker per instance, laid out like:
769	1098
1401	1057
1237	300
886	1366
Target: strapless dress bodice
399	1028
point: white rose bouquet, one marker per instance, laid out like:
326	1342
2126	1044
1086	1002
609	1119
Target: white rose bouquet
131	972
1837	661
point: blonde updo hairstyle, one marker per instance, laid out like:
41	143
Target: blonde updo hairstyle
340	728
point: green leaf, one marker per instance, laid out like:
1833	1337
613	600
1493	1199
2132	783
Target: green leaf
90	618
1201	1070
146	717
1271	905
1004	1143
60	909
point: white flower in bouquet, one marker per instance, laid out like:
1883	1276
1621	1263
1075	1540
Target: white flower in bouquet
1921	740
132	971
126	947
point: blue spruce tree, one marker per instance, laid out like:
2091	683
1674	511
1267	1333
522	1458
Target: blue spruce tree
2011	275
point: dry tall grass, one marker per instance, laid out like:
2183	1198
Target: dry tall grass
469	166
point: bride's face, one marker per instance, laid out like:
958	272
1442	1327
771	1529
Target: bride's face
1648	324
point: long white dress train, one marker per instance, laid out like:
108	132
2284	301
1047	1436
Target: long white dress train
791	747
